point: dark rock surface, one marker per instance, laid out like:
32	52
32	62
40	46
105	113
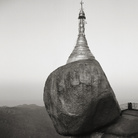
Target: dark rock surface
125	127
79	99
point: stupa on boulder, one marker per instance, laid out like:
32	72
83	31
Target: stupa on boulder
78	96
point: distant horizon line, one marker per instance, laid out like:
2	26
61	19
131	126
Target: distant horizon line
12	103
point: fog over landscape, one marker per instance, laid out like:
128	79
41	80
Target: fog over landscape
36	37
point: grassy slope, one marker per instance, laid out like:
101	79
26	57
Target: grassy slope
27	121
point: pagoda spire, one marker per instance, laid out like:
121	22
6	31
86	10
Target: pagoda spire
81	50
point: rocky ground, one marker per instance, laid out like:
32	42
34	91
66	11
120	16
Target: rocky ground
125	127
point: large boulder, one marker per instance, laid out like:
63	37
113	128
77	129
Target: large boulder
79	98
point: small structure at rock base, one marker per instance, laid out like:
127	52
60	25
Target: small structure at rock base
130	106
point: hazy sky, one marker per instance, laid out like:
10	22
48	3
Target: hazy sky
37	36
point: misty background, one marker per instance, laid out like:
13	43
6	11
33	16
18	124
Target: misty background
36	37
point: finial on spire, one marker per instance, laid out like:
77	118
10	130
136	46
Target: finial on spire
81	18
81	4
82	14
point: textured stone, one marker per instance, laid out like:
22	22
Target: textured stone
79	98
126	126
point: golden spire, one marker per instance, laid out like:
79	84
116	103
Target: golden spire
81	50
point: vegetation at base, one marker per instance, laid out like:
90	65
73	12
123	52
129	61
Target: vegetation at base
26	121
